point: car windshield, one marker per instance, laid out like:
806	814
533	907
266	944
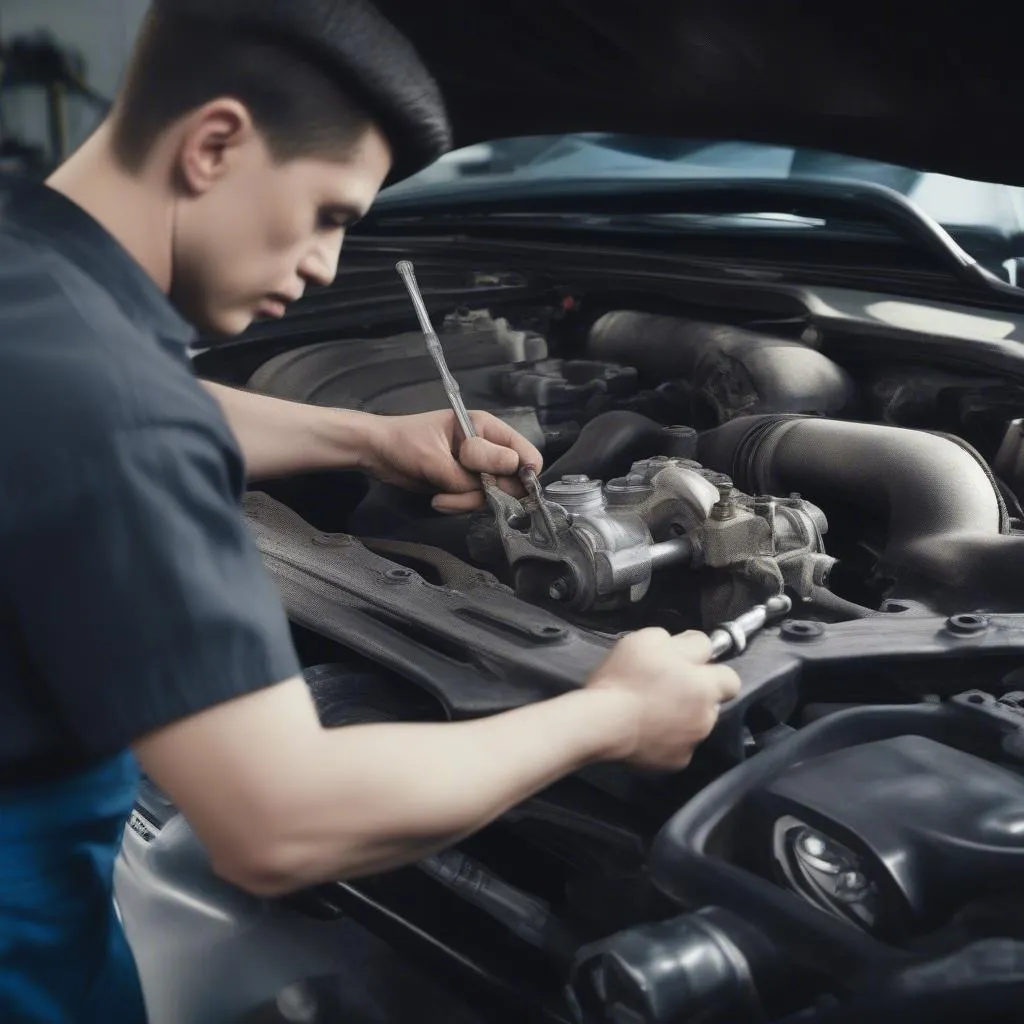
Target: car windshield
970	210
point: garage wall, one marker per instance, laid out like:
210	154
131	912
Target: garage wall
101	30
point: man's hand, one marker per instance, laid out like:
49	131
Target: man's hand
669	693
428	451
424	453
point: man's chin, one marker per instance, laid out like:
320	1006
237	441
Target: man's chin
223	326
214	324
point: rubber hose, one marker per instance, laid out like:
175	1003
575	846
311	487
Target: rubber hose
945	545
1004	511
826	601
607	446
732	371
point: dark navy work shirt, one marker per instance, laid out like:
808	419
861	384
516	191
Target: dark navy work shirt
131	594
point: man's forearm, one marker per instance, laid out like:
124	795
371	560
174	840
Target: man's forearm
280	438
425	787
282	803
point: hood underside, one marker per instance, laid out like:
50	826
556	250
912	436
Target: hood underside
928	88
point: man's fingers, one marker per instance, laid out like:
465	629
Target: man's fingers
480	455
498	450
695	647
499	433
728	683
458	504
456	479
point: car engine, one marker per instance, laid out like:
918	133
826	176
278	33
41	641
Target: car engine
595	546
851	828
687	502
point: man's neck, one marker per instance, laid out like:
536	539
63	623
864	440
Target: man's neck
134	209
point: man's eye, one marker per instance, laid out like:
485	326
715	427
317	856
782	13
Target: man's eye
331	222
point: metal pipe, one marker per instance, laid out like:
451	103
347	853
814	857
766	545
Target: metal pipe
678	551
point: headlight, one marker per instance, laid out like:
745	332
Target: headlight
826	873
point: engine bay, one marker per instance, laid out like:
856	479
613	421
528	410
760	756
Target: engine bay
696	472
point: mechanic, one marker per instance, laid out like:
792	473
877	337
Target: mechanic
139	625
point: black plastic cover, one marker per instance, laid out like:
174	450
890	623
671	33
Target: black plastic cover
933	828
704	854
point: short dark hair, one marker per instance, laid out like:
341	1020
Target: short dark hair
179	64
313	73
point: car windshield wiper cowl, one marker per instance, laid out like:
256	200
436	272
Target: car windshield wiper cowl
806	199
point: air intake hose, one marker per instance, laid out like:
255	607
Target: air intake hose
733	372
946	543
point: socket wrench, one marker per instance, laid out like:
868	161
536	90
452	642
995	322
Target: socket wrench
732	637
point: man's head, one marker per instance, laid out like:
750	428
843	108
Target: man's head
271	143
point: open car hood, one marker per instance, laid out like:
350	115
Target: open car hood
931	89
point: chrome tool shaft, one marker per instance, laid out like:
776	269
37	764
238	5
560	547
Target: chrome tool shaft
450	384
527	474
732	637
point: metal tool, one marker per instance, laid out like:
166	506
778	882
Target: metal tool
527	474
732	637
451	385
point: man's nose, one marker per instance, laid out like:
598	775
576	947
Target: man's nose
320	265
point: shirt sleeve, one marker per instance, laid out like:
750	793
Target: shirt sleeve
137	589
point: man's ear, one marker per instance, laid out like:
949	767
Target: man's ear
212	139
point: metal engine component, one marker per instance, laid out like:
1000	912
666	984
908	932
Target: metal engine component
560	389
595	546
767	545
578	552
519	346
615	544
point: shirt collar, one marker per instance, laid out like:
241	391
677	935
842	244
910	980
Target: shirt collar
33	207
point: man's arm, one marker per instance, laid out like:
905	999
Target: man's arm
420	452
282	803
280	438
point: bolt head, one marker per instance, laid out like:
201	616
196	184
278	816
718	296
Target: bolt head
725	507
798	631
967	625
